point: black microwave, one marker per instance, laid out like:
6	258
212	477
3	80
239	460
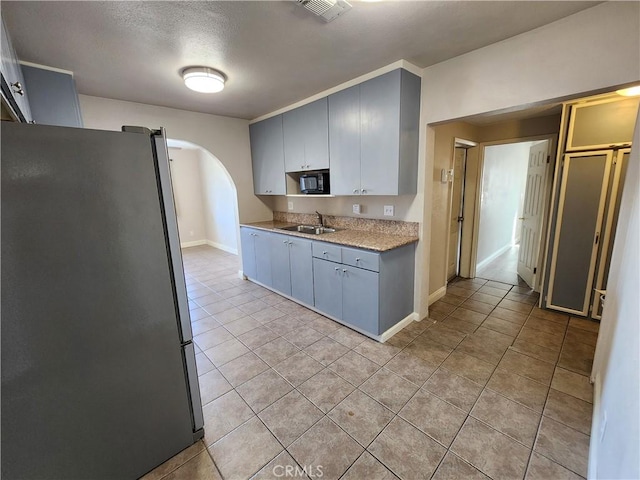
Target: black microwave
314	183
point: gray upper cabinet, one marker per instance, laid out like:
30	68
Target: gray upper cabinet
267	153
344	141
52	96
14	92
373	136
306	137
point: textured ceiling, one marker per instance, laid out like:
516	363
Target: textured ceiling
274	53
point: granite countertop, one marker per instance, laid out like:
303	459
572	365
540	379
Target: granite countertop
378	242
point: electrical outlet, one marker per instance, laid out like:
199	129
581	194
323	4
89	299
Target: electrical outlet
388	211
356	208
290	205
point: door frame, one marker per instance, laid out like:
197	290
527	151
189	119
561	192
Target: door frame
472	255
466	144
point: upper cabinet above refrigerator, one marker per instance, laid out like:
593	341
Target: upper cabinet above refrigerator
15	104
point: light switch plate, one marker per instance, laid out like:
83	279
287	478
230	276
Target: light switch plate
356	208
290	205
388	211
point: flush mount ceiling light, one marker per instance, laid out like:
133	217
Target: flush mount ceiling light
629	92
203	79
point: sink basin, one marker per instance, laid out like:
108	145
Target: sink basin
310	229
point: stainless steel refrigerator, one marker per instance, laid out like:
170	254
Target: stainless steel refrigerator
98	367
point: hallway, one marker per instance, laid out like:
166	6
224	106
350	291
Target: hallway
503	268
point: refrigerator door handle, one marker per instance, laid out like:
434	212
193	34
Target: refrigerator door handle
159	142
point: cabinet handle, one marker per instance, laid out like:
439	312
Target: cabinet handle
356	191
290	243
357	259
302	167
344	270
364	192
324	253
17	88
284	241
336	269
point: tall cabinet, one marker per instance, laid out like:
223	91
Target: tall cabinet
594	156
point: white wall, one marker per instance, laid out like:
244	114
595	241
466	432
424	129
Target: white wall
226	138
615	454
504	177
585	52
187	192
220	205
593	50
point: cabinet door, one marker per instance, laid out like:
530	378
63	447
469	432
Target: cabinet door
267	154
301	262
52	97
263	257
380	134
248	252
280	270
360	298
327	284
306	137
12	74
344	141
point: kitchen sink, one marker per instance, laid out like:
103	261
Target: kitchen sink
310	229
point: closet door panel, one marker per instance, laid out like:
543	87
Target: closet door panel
585	179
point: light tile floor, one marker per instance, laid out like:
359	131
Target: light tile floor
503	268
488	387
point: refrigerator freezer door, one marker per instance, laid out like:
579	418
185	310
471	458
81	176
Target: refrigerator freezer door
93	381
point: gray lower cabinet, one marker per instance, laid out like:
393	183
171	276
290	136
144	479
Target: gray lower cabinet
327	285
256	254
360	291
248	252
267	154
367	290
348	293
372	299
301	263
292	267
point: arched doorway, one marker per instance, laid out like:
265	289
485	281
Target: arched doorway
206	197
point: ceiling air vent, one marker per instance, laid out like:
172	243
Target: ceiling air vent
326	9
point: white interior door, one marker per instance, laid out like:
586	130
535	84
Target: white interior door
455	220
532	212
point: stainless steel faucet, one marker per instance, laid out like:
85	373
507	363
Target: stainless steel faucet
320	220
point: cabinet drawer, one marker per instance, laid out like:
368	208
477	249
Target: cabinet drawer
361	259
327	251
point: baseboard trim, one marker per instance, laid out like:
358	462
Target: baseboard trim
492	257
594	442
222	247
193	244
412	317
437	295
